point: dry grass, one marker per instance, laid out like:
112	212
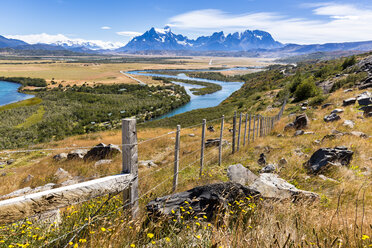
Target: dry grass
339	219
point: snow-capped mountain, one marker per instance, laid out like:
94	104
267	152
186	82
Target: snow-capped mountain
164	39
91	45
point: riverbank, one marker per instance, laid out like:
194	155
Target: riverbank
9	93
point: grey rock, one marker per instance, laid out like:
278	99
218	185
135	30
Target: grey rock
349	101
299	132
326	105
366	110
337	111
282	162
211	129
332	117
262	160
102	151
301	121
237	173
10	161
60	156
327	178
359	134
3	174
147	163
214	142
269	168
303	108
76	154
61	174
204	200
28	178
365	98
309	132
317	142
192	135
279	135
103	162
326	86
271	186
325	157
348	123
348	90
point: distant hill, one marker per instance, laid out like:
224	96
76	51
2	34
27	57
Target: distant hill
5	42
165	39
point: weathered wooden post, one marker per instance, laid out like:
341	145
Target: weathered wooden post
234	133
254	126
245	129
249	128
239	131
130	164
221	137
176	158
258	126
202	147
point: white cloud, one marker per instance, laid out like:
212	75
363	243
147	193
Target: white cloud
128	33
60	39
105	27
343	22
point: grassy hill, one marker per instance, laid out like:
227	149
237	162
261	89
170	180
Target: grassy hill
341	218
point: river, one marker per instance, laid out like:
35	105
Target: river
9	93
197	101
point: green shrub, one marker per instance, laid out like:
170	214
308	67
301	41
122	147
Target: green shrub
348	62
306	90
317	100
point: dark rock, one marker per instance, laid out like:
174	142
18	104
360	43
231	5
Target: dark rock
262	160
300	122
268	168
325	157
332	117
60	156
366	110
337	111
211	129
326	105
329	136
237	173
76	154
214	142
349	101
364	101
28	178
206	200
282	162
348	90
367	84
299	132
326	86
102	151
10	161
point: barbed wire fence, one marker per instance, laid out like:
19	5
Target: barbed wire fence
242	129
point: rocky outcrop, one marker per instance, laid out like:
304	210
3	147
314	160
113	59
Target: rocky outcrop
332	117
365	98
326	105
77	154
239	174
102	151
301	121
146	164
349	101
337	111
348	123
61	156
299	132
325	157
206	200
269	168
214	142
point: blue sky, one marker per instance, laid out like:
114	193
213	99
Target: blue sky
119	20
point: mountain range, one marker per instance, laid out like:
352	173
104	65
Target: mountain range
160	41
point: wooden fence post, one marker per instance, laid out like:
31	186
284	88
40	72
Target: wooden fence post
239	131
258	126
254	125
202	147
249	128
221	136
234	133
176	158
245	129
130	164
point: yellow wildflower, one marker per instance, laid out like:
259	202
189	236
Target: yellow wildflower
150	235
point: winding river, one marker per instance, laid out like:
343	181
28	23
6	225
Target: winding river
9	93
197	101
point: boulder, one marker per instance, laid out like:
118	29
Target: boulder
10	161
61	174
60	156
211	129
299	132
214	142
262	160
337	111
332	117
349	101
102	162
271	186
192	135
203	200
366	110
76	154
301	121
359	134
325	157
102	151
326	105
282	162
348	123
365	98
147	163
348	90
237	173
268	168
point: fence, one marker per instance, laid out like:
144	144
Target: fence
246	128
